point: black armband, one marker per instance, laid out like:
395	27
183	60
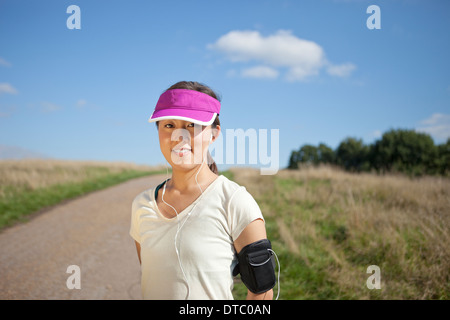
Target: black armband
256	265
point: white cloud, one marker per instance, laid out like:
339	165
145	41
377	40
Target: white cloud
7	88
261	72
437	125
302	58
5	63
49	107
6	111
81	103
342	70
231	73
376	134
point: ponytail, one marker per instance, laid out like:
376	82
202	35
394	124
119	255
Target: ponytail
212	164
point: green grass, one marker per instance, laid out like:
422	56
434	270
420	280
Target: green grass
328	227
17	203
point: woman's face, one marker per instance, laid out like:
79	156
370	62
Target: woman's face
183	143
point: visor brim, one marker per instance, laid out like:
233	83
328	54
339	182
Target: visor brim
198	117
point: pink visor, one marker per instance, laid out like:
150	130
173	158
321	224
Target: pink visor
188	105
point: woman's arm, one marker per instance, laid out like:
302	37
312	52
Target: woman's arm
138	249
255	231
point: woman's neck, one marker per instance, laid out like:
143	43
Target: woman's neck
184	181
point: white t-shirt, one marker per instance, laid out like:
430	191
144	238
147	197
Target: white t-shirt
210	225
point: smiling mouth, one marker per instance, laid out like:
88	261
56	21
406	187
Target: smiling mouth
182	152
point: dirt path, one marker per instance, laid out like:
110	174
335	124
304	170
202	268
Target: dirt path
90	232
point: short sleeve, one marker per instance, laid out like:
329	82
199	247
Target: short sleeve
242	210
134	228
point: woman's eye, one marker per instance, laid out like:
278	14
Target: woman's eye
191	125
169	125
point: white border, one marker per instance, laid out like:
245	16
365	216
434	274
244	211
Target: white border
207	123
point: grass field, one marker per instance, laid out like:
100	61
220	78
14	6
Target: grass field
27	186
328	226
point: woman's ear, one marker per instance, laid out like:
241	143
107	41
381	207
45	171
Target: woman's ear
214	133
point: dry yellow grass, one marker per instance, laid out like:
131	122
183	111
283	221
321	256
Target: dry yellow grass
27	186
31	174
341	223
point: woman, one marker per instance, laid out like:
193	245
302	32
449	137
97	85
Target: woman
190	229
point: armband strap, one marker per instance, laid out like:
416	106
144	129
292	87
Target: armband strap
256	264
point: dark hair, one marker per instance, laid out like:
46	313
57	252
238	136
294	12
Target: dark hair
193	85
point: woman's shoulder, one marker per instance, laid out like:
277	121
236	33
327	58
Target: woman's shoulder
232	189
146	197
227	185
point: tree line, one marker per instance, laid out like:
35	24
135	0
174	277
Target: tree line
398	150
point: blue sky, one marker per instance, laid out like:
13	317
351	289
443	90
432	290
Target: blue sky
311	69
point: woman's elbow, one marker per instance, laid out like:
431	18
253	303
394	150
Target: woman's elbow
268	295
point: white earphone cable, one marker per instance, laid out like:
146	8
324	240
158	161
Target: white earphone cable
178	222
279	269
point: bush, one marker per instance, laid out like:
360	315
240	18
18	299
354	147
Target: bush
405	151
